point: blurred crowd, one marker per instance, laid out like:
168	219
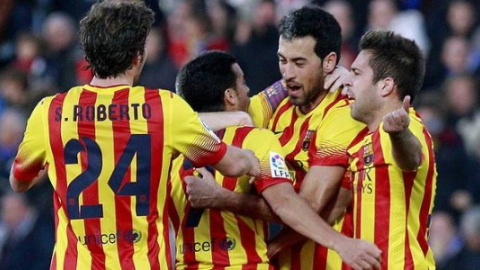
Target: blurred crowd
40	55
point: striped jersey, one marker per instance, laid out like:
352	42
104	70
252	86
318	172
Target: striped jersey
319	137
109	153
214	239
392	207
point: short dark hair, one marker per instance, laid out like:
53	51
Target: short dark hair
316	22
203	81
113	33
397	57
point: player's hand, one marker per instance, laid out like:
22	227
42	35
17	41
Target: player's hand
202	191
359	254
335	79
397	121
255	164
273	248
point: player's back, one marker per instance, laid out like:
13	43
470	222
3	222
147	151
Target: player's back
210	238
109	159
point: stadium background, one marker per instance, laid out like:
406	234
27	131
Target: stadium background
40	55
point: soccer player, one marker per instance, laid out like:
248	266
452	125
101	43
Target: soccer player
211	238
392	164
108	147
314	120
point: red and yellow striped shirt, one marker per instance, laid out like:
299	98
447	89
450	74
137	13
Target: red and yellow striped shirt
109	153
214	239
319	137
392	207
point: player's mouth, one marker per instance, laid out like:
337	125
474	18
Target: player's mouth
348	93
294	89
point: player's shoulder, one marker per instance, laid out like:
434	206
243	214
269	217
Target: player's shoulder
416	122
253	133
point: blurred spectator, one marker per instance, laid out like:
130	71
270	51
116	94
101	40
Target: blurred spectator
285	6
451	21
59	32
468	258
455	55
386	15
15	17
224	23
13	124
28	237
159	70
461	93
13	88
443	238
191	32
257	55
453	164
177	30
342	11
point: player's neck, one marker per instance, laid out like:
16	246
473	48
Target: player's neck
111	81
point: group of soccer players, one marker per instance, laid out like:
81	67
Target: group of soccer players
352	181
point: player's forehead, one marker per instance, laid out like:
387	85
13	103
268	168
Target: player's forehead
296	48
362	62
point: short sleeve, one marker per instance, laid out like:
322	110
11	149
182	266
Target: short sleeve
193	138
263	105
268	150
31	155
333	137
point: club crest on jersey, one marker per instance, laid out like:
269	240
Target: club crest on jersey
278	167
368	154
227	243
307	139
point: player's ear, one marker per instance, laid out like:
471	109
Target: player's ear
137	60
388	85
329	62
229	97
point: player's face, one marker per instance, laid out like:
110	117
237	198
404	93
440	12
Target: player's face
360	87
241	88
301	69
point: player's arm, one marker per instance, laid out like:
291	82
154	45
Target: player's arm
318	193
238	162
204	192
260	109
191	137
296	212
220	120
406	148
29	164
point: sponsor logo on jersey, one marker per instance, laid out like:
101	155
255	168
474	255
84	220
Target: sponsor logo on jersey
277	166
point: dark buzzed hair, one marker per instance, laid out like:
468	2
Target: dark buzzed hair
397	57
203	81
316	22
